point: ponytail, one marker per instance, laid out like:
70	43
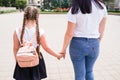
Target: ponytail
37	34
23	29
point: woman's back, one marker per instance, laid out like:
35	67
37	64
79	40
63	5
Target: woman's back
87	24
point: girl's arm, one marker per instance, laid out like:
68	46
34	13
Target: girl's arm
102	27
46	47
16	44
68	36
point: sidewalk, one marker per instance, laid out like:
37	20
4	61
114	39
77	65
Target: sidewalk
106	67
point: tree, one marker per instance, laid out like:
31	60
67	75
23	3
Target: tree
65	4
21	4
12	2
60	3
6	3
46	4
0	2
54	4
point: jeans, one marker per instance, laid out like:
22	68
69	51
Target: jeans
83	53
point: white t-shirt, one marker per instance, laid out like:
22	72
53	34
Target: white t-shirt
29	34
87	25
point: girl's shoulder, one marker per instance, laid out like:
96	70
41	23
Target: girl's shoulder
41	30
18	29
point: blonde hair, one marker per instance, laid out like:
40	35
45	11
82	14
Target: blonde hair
31	13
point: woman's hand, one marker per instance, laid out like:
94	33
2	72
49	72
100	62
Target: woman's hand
63	53
59	56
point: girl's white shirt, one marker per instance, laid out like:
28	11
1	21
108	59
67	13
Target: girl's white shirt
29	32
87	25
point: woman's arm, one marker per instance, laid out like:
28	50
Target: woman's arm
102	27
16	44
68	36
46	47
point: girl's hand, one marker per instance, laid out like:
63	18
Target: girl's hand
59	56
63	53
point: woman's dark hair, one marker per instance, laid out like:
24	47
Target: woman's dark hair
84	5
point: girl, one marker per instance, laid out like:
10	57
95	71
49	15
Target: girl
86	23
30	26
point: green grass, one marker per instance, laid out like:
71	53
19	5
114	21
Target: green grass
52	12
8	11
114	12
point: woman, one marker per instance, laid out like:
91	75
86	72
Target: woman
86	23
29	28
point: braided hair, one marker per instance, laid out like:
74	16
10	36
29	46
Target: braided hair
31	13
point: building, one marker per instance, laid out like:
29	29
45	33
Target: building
113	5
35	2
117	4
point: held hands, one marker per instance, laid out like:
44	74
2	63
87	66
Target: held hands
61	55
